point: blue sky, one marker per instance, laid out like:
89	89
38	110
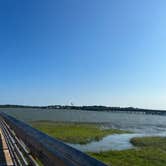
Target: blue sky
110	52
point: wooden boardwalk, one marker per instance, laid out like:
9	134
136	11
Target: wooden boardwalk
13	152
22	145
5	158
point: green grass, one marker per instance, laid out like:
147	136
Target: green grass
74	132
150	151
155	142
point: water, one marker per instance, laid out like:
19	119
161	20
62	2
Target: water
140	124
113	142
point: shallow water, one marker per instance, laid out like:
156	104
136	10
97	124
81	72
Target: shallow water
112	142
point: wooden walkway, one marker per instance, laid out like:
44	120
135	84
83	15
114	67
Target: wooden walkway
13	152
5	158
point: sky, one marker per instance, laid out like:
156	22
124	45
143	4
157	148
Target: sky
89	52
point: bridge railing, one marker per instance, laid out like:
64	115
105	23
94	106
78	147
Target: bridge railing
50	151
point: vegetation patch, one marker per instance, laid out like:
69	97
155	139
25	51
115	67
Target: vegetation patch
74	132
150	151
158	142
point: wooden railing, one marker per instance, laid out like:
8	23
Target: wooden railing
50	151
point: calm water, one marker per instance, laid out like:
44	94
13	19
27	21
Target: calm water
141	124
113	142
135	122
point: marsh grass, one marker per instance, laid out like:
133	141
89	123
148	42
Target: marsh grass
74	132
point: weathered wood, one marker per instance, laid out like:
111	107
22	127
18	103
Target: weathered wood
8	160
50	151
